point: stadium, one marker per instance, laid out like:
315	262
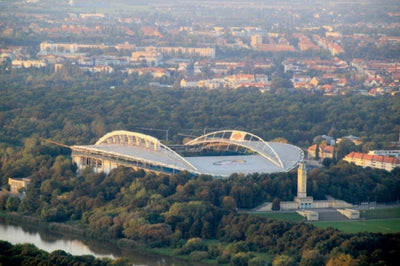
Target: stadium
219	154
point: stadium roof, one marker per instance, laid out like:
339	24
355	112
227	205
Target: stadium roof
250	153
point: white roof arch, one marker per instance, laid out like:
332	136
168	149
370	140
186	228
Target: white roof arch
139	150
242	139
129	138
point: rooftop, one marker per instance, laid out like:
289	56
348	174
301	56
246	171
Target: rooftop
260	156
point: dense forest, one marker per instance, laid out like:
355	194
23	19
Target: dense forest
75	108
179	211
183	213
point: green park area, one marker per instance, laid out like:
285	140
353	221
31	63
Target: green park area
374	226
386	220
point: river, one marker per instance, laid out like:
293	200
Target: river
50	241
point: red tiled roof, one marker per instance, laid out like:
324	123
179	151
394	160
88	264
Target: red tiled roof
312	147
326	148
323	148
375	158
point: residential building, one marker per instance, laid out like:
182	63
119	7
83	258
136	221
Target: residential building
324	151
189	83
373	161
16	184
188	51
28	63
155	72
389	153
256	40
149	54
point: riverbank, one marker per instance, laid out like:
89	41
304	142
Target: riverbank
76	230
137	253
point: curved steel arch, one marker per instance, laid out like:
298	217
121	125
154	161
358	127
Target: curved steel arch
131	138
242	139
124	137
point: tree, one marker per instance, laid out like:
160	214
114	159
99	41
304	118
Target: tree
281	83
155	234
345	147
195	244
12	204
3	199
276	204
284	260
26	206
241	258
229	204
311	258
342	259
317	151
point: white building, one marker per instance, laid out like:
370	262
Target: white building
16	184
388	153
373	161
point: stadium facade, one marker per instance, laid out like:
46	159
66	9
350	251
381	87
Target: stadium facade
219	154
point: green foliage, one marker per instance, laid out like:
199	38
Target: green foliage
53	214
256	262
374	226
28	254
286	216
73	116
241	258
12	203
393	212
276	204
284	260
224	258
3	199
194	244
342	259
311	258
166	210
127	204
354	184
198	255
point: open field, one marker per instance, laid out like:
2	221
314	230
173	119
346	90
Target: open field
374	226
385	220
385	213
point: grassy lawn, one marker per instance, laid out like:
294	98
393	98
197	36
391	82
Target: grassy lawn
378	220
374	226
286	216
381	213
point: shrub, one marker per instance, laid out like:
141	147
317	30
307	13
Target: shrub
193	244
198	255
224	258
241	258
